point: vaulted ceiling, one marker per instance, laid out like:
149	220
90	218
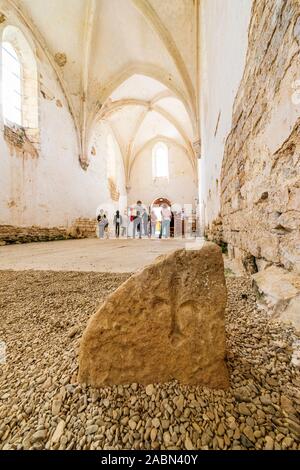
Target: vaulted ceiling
133	63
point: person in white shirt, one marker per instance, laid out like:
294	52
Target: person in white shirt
166	216
124	224
138	221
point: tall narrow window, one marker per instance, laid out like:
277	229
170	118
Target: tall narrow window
160	159
19	82
11	85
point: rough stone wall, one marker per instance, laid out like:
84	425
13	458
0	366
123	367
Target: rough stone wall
260	185
85	228
81	228
10	234
215	231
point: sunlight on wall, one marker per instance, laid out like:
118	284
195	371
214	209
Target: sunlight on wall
160	158
11	85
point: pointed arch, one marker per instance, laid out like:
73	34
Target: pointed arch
119	104
153	141
148	70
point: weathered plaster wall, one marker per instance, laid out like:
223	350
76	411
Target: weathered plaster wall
51	189
181	187
98	170
260	187
223	47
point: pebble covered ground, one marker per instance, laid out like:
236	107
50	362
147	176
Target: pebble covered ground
42	317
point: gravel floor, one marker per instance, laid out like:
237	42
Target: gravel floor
42	316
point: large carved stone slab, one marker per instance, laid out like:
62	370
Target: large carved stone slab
165	322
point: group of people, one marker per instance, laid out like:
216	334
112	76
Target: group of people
143	223
146	224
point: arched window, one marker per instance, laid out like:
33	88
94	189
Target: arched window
11	85
160	161
19	81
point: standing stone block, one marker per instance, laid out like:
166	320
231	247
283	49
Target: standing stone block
165	322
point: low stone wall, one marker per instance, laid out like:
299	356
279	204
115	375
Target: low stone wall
81	228
10	234
84	228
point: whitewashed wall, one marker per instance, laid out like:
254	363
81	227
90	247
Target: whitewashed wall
223	46
53	189
181	187
98	170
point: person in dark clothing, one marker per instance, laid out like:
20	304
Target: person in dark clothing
117	223
172	225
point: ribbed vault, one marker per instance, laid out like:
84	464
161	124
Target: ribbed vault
104	58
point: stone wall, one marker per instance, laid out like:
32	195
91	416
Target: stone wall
81	228
10	234
84	228
260	185
215	231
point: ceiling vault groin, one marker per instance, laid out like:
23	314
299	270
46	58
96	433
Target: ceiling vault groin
150	106
152	17
73	33
149	70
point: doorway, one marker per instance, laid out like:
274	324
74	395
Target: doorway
156	207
